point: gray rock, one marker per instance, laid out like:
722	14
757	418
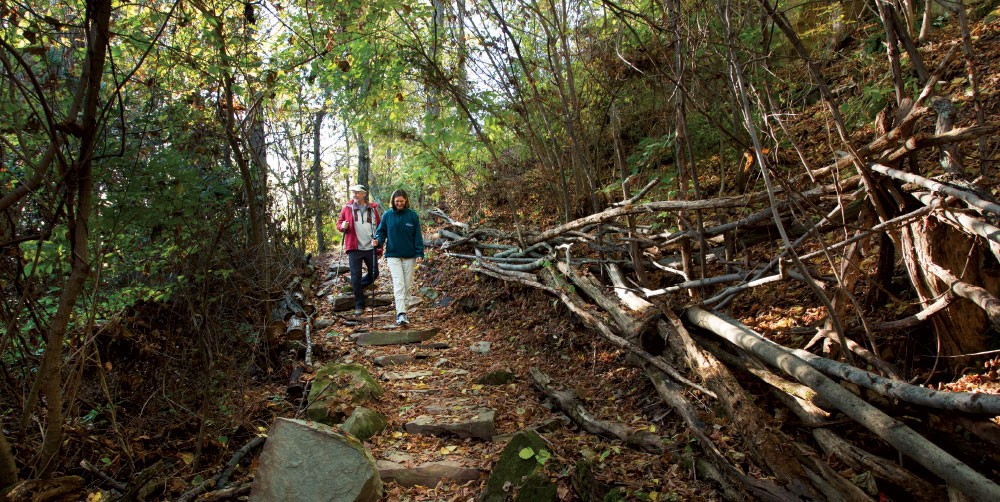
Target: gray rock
428	474
337	388
310	462
480	347
364	423
479	425
496	378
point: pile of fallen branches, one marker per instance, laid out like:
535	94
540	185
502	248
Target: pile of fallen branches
615	271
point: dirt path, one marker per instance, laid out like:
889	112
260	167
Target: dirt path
439	381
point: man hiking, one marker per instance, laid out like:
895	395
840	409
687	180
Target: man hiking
358	221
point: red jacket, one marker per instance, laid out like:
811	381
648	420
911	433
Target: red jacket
347	214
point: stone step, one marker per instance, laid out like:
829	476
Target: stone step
395	337
428	474
475	423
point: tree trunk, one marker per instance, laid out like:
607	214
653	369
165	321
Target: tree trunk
317	183
80	184
961	327
364	161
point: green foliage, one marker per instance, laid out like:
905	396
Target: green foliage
651	153
541	456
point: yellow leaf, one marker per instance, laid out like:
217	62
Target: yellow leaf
652	428
108	366
397	434
448	449
94	497
187	458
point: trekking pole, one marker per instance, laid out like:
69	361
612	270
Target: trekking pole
374	279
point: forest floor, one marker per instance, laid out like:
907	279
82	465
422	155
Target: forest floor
525	329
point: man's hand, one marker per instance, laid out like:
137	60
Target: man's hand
375	243
344	225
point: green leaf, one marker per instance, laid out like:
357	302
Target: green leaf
526	453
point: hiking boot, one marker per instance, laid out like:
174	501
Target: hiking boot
358	311
401	319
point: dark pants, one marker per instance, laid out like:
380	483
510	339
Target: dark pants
358	282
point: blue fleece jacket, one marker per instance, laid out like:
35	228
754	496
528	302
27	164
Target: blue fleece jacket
402	230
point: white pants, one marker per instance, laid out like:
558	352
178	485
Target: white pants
401	270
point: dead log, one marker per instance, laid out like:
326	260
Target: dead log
295	328
859	459
296	387
651	207
723	471
969	197
630	326
980	296
559	288
804	474
933	458
570	403
964	402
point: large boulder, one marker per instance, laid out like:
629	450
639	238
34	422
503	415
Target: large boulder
311	462
337	389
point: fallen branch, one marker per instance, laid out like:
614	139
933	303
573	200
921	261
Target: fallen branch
570	403
975	294
915	319
934	186
112	482
965	402
802	472
222	479
896	433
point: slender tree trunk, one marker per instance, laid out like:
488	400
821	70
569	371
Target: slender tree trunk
970	66
317	182
80	183
364	160
891	47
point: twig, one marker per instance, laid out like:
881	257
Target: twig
112	482
222	479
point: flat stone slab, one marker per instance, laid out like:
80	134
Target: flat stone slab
346	302
428	474
476	423
398	359
396	337
406	375
434	345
